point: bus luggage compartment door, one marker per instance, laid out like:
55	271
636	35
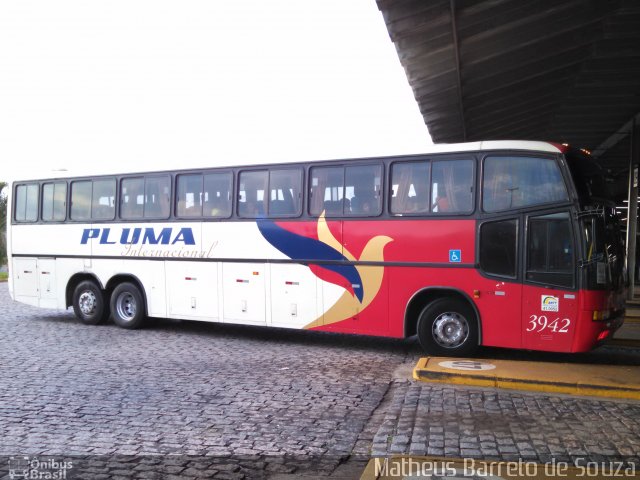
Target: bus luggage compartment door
25	280
244	293
193	290
47	282
293	296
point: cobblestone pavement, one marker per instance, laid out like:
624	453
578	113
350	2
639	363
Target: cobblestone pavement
250	401
196	400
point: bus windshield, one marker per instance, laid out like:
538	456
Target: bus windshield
603	256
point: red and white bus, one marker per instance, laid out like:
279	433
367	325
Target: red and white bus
499	243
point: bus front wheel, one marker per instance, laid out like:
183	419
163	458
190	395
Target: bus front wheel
88	303
448	327
127	306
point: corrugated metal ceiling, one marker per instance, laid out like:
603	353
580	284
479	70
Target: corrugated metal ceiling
563	71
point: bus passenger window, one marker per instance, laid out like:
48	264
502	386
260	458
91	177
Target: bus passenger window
81	200
189	196
132	198
251	196
217	195
516	182
452	186
26	209
285	192
103	205
326	191
410	188
157	194
54	202
362	188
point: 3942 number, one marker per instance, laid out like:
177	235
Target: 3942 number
540	323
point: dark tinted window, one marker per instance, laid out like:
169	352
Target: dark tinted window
81	200
452	186
26	209
515	182
550	250
498	247
54	202
410	188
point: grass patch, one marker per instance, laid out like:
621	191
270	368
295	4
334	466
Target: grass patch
3	276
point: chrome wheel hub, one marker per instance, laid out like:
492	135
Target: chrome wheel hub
126	306
450	329
87	302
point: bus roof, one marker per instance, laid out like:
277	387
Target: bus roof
249	160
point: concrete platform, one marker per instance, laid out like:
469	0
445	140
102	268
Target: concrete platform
415	467
628	335
613	381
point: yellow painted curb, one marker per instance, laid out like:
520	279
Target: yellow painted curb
398	467
614	381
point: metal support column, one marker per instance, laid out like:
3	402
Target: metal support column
632	217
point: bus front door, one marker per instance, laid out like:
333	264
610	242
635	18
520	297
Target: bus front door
550	305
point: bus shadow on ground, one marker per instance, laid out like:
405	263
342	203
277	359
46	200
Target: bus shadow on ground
603	355
284	335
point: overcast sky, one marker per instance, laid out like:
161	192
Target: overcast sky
140	84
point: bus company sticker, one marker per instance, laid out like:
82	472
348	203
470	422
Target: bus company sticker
467	365
549	303
455	256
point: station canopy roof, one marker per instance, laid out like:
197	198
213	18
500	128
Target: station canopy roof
561	71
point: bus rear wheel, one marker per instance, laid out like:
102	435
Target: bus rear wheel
448	327
127	306
88	303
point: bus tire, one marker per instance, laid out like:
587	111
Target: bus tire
448	327
88	303
127	306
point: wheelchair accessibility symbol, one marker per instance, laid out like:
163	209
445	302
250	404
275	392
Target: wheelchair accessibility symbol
455	256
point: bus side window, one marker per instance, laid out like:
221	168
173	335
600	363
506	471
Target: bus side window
410	188
54	202
362	188
251	195
81	200
326	191
132	198
515	182
103	205
217	195
157	195
285	197
452	186
189	195
498	247
26	209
